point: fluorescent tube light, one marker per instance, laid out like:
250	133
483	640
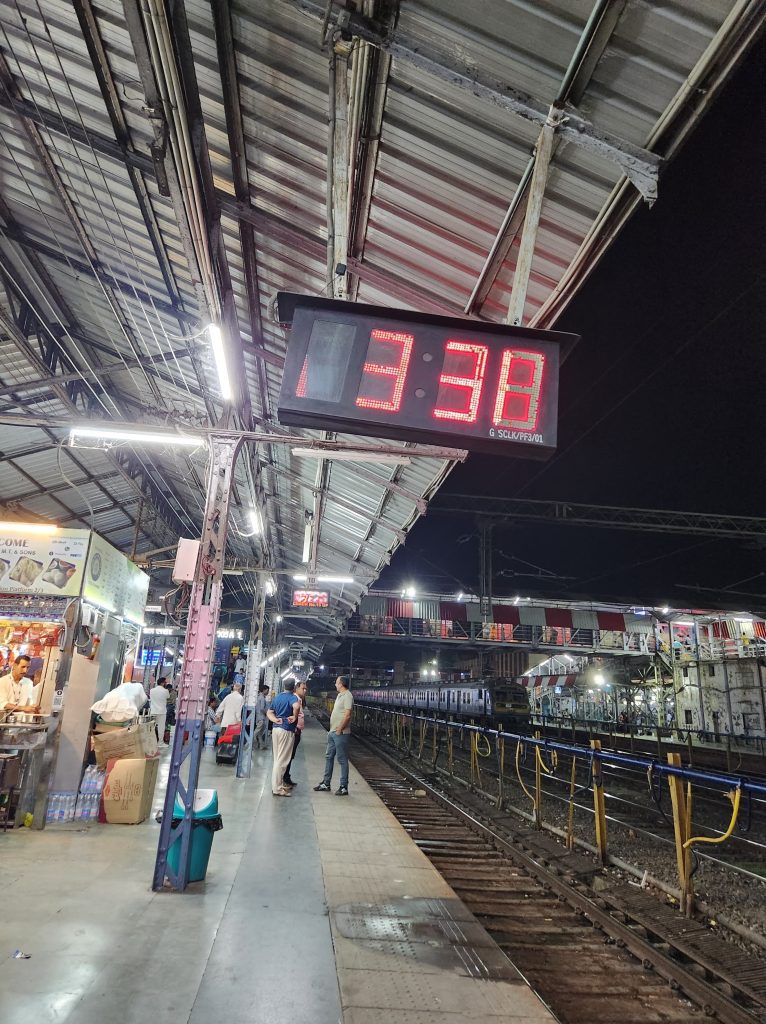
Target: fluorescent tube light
306	541
302	577
256	521
44	528
233	572
216	343
136	436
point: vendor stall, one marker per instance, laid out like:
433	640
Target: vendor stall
73	605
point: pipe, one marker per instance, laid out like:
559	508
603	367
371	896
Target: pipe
741	783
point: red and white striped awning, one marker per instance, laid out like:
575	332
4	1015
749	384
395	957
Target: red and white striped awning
566	618
549	682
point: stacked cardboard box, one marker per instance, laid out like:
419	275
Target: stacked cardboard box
137	740
129	789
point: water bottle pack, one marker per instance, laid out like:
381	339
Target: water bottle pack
82	806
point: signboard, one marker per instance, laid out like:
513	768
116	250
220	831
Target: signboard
415	377
311	599
113	582
51	564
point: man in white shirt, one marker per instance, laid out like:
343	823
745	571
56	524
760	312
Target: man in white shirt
240	665
16	690
230	708
158	706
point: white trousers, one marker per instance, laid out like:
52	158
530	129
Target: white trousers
160	722
282	749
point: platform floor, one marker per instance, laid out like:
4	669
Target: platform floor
316	910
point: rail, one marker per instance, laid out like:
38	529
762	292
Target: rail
546	751
732	780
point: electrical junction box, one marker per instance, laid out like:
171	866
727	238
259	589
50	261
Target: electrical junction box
185	567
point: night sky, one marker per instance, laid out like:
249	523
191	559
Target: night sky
661	403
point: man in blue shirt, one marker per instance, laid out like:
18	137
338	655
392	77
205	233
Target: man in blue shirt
283	714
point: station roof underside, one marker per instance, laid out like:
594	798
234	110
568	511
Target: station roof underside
127	221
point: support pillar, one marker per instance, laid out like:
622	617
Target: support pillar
682	813
254	660
199	651
599	806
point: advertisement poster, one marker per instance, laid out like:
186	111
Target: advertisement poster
52	565
113	582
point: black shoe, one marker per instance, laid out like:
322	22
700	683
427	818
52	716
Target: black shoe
290	783
343	791
322	788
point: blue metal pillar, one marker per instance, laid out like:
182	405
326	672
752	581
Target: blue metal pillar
199	652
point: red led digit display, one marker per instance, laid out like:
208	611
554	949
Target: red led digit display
415	377
461	382
385	370
517	402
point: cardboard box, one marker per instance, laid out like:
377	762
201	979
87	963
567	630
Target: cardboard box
129	789
139	740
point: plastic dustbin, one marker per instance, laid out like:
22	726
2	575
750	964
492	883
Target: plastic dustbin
205	821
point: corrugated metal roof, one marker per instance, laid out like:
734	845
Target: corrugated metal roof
101	285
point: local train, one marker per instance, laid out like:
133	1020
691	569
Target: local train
493	702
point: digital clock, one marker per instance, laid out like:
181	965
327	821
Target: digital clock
415	377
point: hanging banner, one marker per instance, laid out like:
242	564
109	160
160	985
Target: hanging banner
50	565
113	582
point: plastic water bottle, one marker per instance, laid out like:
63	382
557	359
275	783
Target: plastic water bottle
50	813
94	803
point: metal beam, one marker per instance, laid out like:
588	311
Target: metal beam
566	513
638	164
589	50
523	269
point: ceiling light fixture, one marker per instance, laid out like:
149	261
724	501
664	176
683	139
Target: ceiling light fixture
256	521
306	541
301	577
43	528
216	344
135	436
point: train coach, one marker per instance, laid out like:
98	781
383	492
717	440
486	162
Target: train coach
494	702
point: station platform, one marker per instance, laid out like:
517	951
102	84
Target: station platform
316	909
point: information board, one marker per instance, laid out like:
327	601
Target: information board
414	377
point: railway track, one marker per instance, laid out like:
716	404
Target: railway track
596	957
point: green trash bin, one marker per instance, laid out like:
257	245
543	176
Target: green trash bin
205	821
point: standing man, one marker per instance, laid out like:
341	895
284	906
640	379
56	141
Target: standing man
230	708
301	689
337	739
240	667
16	690
158	706
261	721
283	714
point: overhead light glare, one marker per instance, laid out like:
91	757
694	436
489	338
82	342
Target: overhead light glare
41	528
664	610
136	436
682	622
279	618
270	588
216	343
256	521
